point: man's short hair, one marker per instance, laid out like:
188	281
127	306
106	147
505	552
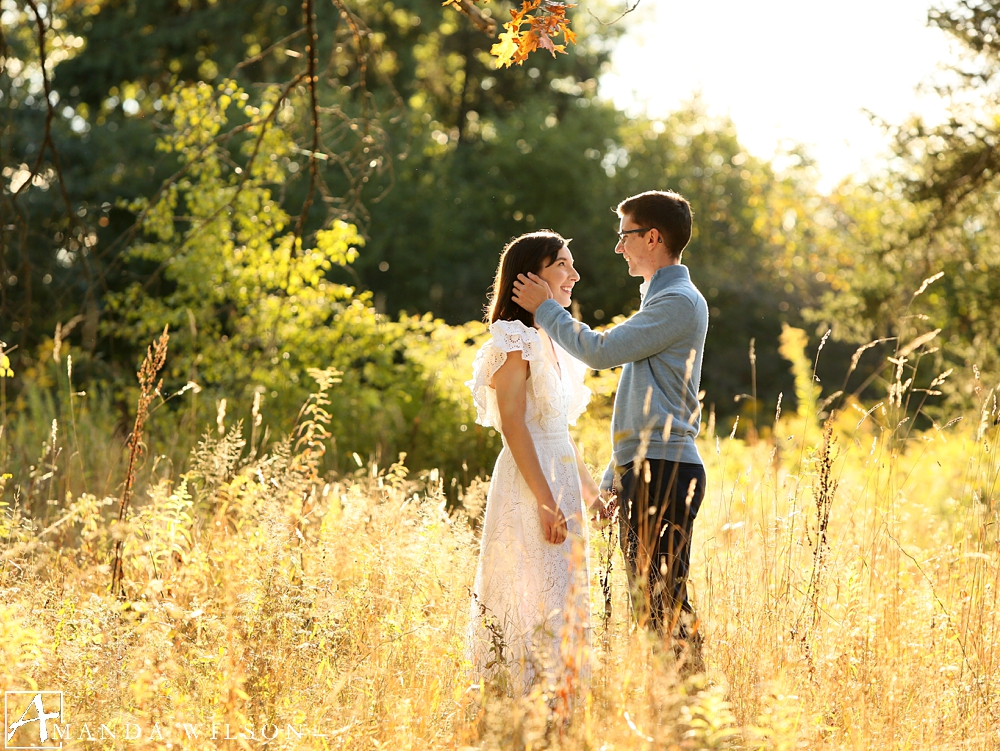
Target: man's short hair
668	212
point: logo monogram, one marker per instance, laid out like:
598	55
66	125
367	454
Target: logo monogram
31	719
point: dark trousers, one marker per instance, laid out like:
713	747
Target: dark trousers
657	504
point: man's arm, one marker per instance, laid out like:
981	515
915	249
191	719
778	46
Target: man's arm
608	481
654	328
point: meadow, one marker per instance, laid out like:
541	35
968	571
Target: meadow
845	571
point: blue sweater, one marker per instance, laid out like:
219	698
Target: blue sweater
661	348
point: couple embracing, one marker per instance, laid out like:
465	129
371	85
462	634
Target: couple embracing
531	594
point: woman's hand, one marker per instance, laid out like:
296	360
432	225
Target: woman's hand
553	522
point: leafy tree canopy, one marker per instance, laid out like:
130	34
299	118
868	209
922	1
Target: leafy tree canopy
222	161
917	248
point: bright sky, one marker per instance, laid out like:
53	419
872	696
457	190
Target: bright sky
784	69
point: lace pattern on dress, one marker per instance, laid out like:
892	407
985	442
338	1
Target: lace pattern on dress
507	336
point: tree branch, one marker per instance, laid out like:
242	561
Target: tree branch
310	26
624	13
48	143
468	9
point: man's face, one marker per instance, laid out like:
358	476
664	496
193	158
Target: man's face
633	246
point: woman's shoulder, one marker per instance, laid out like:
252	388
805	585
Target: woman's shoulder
516	335
513	327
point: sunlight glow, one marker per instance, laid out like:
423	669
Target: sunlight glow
785	71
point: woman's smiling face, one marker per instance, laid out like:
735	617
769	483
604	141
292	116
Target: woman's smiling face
561	276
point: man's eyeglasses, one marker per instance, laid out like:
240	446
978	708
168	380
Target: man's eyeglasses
621	235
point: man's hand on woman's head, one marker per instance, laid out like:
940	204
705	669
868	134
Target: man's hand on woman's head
530	291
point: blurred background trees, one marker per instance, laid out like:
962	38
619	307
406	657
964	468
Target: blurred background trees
933	210
291	190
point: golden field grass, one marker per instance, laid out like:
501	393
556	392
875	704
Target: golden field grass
265	605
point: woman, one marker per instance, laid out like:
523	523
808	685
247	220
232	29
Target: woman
532	579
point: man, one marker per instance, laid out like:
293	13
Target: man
656	470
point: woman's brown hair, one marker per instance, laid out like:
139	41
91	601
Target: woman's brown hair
528	253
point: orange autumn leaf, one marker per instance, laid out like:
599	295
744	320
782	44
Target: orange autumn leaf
543	19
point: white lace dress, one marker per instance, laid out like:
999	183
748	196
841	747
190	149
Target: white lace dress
531	603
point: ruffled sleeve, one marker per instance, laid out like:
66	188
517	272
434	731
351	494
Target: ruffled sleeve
579	395
507	336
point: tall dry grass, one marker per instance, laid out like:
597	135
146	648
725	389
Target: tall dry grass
846	577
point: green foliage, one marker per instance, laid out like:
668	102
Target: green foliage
244	294
932	212
469	156
793	349
565	169
150	42
252	308
433	159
